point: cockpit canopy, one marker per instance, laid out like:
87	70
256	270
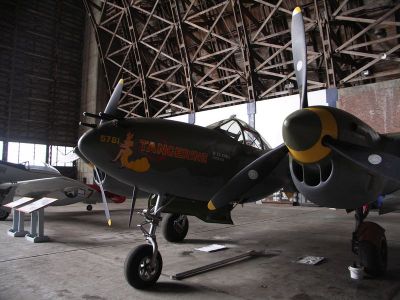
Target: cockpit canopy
240	131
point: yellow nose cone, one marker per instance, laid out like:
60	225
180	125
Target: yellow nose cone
304	130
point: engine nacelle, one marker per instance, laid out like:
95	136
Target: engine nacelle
327	183
322	175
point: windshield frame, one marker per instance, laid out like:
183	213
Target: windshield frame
243	127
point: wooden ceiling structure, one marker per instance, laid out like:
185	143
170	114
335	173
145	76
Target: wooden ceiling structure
185	56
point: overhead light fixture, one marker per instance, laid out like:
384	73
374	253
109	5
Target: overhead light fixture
289	86
366	73
380	33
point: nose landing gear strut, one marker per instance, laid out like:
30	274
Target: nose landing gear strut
143	264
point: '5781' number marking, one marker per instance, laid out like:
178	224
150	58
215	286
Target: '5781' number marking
109	139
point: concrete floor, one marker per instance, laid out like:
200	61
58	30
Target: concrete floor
85	258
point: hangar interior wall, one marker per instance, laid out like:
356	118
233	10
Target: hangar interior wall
377	104
40	64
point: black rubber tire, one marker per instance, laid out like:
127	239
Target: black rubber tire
175	227
137	275
89	207
373	258
3	214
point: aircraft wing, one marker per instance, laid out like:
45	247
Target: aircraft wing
10	172
65	187
250	176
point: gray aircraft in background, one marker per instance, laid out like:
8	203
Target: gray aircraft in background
25	180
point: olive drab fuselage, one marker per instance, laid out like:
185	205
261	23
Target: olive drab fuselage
174	158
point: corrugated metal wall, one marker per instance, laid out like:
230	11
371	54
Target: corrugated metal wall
41	46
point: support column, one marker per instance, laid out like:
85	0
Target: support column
18	228
247	61
184	54
324	31
192	118
91	79
5	150
34	223
138	57
251	112
37	227
332	96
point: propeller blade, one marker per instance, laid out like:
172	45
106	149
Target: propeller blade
248	177
376	162
134	195
103	197
111	108
299	54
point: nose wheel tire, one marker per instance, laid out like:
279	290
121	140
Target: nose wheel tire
139	271
175	227
3	214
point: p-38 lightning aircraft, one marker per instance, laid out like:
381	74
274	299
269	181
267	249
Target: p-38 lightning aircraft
184	165
334	159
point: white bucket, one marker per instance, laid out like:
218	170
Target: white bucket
356	272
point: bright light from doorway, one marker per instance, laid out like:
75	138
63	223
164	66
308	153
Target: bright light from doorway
13	152
59	156
34	154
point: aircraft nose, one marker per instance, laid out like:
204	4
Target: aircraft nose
85	144
303	131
